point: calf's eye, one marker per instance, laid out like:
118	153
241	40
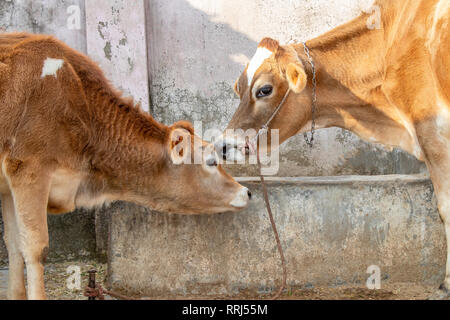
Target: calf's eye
264	91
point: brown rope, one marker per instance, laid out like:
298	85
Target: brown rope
94	293
95	290
274	228
118	295
99	293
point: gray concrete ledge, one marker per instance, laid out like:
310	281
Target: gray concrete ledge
332	229
413	178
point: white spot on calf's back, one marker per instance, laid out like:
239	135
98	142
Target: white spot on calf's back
261	54
51	66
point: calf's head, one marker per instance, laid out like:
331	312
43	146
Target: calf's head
261	88
190	179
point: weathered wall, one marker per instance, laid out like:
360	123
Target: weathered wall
116	39
197	49
46	17
331	229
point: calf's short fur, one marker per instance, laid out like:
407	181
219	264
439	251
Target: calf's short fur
68	140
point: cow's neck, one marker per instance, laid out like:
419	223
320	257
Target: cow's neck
350	67
125	151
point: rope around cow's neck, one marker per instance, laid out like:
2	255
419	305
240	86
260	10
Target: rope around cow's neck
309	141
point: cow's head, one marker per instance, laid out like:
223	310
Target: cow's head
191	180
261	87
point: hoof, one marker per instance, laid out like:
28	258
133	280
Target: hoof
441	294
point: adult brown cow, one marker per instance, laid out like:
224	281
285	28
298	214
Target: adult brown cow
68	139
389	85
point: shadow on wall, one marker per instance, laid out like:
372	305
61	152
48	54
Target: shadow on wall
193	63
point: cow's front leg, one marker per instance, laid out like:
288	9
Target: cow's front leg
16	279
30	188
443	197
436	147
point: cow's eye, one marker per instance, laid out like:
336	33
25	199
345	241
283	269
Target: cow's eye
264	91
211	162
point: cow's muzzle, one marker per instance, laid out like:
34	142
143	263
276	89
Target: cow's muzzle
232	148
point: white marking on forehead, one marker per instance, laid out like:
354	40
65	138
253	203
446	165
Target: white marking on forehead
257	60
51	66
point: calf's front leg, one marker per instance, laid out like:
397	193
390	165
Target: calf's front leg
16	279
30	188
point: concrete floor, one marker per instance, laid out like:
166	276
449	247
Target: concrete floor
56	276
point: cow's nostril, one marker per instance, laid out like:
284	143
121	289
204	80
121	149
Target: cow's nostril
224	152
247	149
249	194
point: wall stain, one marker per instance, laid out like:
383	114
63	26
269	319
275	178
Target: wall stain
107	50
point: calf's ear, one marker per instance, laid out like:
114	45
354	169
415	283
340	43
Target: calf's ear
236	87
179	145
296	77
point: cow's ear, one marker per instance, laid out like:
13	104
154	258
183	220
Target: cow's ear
179	145
296	77
236	87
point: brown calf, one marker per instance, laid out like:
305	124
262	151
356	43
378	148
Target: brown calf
68	140
389	85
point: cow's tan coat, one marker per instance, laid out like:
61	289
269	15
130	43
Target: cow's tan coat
389	85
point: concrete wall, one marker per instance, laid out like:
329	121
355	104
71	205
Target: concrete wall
197	49
116	39
331	229
46	17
